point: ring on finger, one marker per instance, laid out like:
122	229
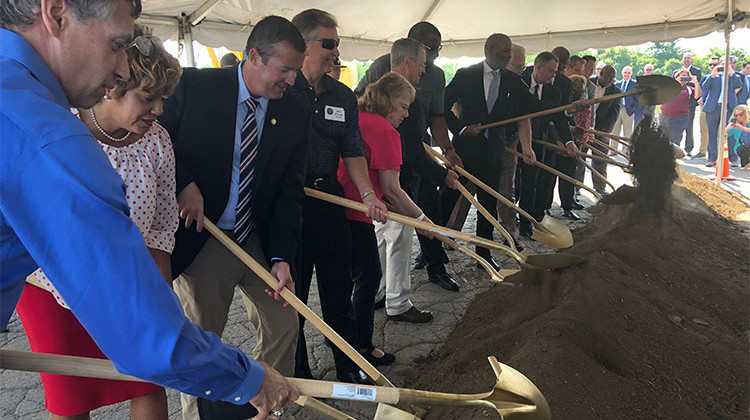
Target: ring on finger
279	414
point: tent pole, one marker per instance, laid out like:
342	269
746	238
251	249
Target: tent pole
722	136
187	40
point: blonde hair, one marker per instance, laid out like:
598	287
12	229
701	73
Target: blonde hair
157	74
379	96
745	110
578	84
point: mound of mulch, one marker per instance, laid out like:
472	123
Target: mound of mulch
653	325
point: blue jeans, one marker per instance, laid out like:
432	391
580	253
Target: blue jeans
714	121
675	126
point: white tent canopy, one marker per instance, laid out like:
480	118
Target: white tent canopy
367	28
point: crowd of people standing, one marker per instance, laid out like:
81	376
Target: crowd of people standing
123	264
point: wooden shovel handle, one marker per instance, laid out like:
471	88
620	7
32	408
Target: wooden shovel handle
581	154
104	369
297	304
620	139
558	173
610	148
463	172
354	205
555	110
480	208
593	171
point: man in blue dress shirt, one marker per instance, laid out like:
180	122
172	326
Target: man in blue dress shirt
63	207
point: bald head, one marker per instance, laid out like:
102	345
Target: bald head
606	76
563	56
497	51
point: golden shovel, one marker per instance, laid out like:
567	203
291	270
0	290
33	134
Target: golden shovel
549	231
620	139
513	396
549	261
652	90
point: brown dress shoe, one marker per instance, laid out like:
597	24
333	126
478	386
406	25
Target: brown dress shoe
413	315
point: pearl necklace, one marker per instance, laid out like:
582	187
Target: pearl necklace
101	130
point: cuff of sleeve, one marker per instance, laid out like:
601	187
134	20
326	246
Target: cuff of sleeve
568	142
274	260
161	240
461	133
249	386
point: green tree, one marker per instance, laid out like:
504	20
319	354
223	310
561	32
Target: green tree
449	69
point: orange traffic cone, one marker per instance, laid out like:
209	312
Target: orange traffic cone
725	175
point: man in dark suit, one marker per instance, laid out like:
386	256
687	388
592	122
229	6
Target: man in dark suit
606	115
744	94
537	185
487	92
241	149
687	63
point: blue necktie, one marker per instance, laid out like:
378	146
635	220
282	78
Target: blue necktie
624	89
244	220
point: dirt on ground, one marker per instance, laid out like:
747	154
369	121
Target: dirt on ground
653	325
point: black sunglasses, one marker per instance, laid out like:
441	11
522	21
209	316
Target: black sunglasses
328	43
713	64
146	44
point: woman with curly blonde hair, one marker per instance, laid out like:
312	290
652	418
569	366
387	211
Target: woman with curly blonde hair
140	150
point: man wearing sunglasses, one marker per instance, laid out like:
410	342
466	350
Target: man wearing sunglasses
326	240
68	213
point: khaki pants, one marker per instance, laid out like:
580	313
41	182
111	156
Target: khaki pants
206	289
625	123
704	132
394	247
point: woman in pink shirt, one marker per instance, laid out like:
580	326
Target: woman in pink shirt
382	108
675	114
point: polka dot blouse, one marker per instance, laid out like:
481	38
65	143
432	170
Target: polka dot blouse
147	168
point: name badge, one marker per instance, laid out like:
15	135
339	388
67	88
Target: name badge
335	113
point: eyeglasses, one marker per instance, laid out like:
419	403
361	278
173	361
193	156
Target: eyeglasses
328	43
713	64
435	49
145	44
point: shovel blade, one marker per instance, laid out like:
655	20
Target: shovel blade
657	89
552	232
389	412
515	396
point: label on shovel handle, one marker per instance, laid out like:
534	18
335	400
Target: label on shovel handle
352	392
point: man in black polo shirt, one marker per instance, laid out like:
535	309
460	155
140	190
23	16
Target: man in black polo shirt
326	240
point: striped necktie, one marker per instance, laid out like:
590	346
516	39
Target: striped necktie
244	224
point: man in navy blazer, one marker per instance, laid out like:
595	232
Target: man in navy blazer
205	118
712	87
629	104
744	94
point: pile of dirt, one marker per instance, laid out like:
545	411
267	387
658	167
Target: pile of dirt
653	325
727	204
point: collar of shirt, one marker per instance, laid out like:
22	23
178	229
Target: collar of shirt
532	85
243	95
488	78
14	47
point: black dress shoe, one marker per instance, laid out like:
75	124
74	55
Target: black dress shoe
526	232
443	280
354	377
493	263
576	206
385	359
569	214
419	262
380	303
517	245
304	374
413	315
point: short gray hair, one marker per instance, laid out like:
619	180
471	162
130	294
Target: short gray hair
403	48
308	21
20	13
518	48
